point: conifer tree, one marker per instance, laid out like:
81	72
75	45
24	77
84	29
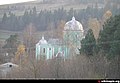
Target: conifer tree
88	43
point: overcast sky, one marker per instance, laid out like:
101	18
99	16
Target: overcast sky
13	1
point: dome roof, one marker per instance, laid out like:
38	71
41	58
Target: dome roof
43	41
73	25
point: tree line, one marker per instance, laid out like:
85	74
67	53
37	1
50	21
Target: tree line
43	19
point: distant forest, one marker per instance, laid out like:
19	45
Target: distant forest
43	19
79	1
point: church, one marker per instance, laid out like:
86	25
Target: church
73	33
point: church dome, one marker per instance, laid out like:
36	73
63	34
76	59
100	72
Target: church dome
43	41
73	25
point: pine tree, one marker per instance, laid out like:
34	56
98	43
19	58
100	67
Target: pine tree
11	45
4	19
88	43
109	39
109	43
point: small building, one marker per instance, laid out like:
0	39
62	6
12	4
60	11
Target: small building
72	36
6	68
49	50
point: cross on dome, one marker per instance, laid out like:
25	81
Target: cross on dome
43	38
73	18
43	41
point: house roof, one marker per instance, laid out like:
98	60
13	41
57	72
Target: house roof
54	41
7	65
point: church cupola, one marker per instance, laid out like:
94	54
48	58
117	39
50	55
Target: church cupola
43	41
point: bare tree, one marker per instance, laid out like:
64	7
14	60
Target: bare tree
95	26
60	28
29	38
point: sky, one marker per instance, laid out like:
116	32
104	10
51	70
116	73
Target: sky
2	2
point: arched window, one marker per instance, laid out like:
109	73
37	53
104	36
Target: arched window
76	36
43	50
10	65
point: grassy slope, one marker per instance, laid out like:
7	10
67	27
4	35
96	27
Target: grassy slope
6	34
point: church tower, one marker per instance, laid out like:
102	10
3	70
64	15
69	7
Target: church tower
73	33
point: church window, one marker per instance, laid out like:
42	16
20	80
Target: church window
10	65
76	36
68	35
43	50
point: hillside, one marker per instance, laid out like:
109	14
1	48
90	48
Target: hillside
20	7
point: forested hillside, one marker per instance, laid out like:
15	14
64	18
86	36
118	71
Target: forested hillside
45	18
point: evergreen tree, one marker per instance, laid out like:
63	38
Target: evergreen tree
115	46
4	22
109	40
109	43
26	18
11	44
88	44
12	22
4	19
34	11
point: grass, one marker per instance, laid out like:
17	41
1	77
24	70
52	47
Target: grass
6	34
